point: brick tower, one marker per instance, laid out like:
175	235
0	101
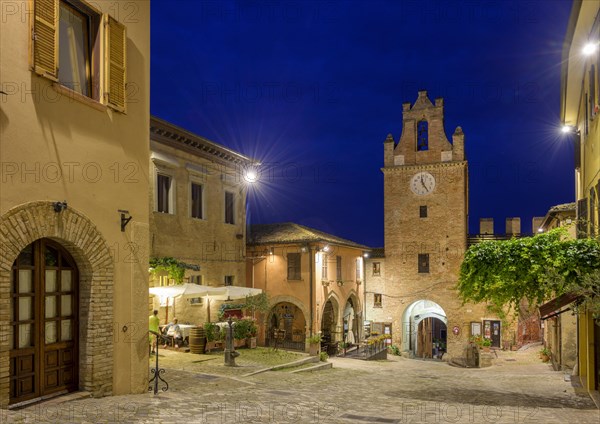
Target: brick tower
425	213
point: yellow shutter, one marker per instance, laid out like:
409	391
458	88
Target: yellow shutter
116	49
45	38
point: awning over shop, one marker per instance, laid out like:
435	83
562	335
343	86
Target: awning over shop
554	307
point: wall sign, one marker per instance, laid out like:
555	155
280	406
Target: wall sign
456	330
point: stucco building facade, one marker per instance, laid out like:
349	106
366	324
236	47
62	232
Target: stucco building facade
74	119
197	214
314	281
580	112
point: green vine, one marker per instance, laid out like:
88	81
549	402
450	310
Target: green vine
174	268
537	268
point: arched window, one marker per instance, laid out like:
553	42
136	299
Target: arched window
422	136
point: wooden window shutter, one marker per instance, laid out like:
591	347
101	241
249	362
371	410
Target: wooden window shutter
116	71
45	38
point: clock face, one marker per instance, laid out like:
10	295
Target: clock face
422	183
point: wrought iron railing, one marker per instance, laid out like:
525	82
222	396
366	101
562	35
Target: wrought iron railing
157	371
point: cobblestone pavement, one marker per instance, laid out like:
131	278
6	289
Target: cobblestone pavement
517	389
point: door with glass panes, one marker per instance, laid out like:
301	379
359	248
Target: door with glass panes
44	308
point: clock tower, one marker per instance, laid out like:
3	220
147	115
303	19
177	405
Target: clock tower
425	214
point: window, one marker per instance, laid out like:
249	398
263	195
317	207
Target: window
197	201
422	136
67	49
358	269
377	300
582	218
592	88
324	269
294	260
196	279
228	280
422	211
74	50
592	213
376	269
338	268
229	208
423	262
164	194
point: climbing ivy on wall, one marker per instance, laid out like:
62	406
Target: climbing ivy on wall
502	272
174	268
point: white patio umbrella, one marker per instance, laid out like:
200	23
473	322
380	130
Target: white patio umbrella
232	292
229	293
183	290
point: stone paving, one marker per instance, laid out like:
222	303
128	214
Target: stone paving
518	388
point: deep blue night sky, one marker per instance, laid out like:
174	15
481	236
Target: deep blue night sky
313	88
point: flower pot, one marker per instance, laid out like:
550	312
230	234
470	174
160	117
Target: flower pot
314	349
251	342
544	358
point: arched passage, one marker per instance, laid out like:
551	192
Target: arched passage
329	321
424	331
290	321
352	318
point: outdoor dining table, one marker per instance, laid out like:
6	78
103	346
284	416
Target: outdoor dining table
185	330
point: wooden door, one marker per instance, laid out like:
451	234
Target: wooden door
43	345
491	330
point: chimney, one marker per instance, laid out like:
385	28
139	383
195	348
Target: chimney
486	225
536	223
513	225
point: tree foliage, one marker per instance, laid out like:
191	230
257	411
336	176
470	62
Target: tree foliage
533	268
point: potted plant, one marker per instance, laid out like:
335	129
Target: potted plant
213	335
314	342
545	354
486	344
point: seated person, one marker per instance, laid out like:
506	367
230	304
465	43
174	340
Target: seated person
173	334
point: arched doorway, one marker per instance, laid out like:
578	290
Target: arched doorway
329	319
424	331
289	318
44	354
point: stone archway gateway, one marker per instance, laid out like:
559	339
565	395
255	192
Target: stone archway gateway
85	254
424	332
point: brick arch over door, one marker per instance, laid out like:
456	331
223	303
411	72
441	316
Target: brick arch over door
26	223
289	299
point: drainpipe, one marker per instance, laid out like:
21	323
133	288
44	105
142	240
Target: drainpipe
311	291
364	313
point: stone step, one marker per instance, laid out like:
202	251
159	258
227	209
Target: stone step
293	364
318	367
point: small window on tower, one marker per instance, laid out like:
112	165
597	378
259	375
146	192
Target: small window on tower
422	211
377	300
423	263
422	136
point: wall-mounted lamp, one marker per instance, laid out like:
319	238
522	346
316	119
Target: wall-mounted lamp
304	249
325	248
325	283
340	283
271	251
570	129
365	255
590	48
59	206
125	218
